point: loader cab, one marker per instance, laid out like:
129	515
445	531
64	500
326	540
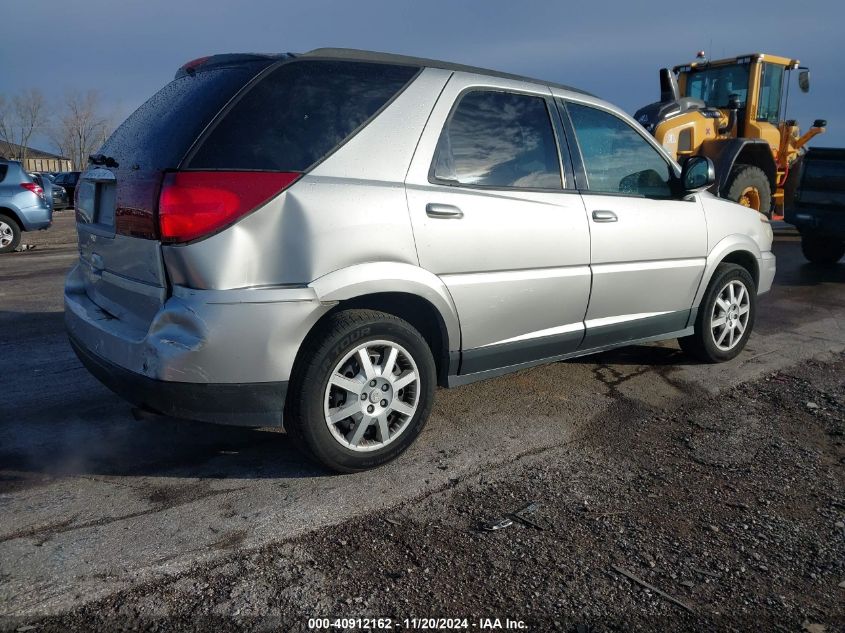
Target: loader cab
753	85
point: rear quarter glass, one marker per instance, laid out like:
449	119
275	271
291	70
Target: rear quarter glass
298	114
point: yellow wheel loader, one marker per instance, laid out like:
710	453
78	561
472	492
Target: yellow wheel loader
733	111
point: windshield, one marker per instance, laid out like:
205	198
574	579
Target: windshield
714	85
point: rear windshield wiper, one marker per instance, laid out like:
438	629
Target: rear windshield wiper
102	159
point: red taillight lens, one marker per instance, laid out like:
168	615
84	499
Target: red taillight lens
38	191
194	204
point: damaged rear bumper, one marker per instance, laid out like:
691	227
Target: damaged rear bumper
244	404
218	356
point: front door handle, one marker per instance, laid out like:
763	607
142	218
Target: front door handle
444	211
604	216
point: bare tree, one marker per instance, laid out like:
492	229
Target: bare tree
5	120
81	127
20	117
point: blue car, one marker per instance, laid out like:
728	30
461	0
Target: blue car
23	205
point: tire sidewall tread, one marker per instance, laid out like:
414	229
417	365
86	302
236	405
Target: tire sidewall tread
304	416
701	343
822	250
742	176
16	234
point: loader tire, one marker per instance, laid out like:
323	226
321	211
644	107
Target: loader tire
749	186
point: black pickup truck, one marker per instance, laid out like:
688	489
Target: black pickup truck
817	206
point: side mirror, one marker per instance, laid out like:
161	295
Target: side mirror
804	80
698	174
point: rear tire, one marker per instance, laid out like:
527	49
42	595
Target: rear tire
724	320
361	391
749	186
10	234
824	251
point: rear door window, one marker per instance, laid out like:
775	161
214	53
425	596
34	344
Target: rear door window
499	139
3	170
298	114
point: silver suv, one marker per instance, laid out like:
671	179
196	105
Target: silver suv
324	238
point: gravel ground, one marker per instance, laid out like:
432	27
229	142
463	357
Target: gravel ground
724	514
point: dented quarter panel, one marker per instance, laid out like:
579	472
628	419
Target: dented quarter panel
350	209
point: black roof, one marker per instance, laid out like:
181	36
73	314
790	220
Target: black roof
372	56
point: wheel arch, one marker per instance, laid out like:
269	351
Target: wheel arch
725	153
11	213
406	291
733	249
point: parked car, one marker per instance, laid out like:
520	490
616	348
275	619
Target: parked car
23	205
323	238
68	180
60	198
46	186
55	195
818	205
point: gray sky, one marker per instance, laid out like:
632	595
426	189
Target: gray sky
128	49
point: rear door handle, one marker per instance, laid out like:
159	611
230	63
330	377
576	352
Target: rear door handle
604	216
443	211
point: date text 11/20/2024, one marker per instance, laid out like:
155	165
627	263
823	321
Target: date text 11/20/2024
417	624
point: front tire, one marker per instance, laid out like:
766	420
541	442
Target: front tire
10	234
725	317
749	186
361	392
822	250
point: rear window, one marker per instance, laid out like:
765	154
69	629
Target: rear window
299	114
828	175
159	133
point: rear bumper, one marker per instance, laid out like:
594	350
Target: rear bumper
215	355
244	404
35	218
768	267
827	222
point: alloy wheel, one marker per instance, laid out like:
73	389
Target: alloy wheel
372	395
6	234
729	318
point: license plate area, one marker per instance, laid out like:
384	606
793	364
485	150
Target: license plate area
96	199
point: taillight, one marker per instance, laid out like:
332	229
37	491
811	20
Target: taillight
31	186
194	204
